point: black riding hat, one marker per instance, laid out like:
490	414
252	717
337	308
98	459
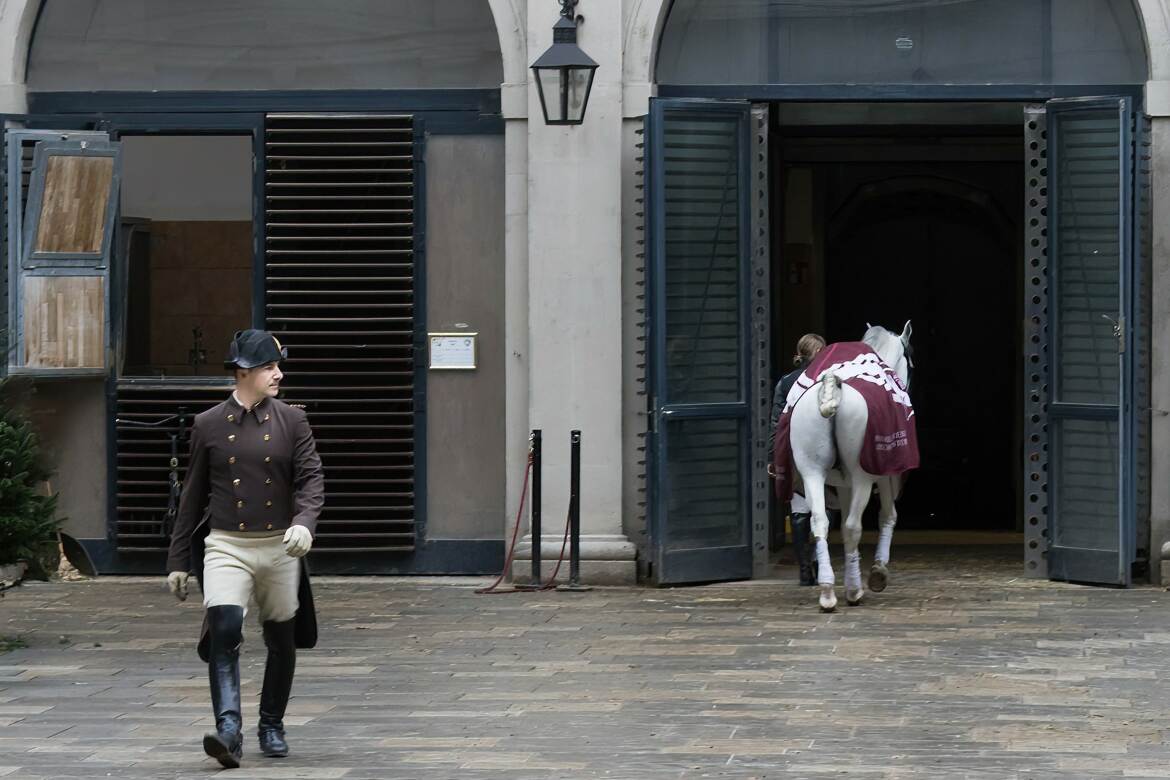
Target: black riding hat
251	348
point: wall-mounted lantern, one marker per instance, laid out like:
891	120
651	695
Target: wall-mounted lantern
564	73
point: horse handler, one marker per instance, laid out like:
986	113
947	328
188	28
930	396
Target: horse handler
807	348
250	503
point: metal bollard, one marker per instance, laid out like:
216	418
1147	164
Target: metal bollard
534	511
574	515
535	507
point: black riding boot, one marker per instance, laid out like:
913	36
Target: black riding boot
226	625
278	677
802	546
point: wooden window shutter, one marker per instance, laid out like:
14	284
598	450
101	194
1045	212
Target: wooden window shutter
60	297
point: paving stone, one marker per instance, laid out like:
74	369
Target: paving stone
961	669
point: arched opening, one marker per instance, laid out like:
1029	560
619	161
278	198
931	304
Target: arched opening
264	45
902	42
897	157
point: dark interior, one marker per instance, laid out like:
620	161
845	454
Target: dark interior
886	224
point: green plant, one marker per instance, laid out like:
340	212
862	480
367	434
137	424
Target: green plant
9	643
28	519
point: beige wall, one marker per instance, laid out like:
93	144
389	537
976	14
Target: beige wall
465	284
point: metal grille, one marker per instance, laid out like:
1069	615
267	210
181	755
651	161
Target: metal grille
4	251
1036	344
141	475
640	336
1142	307
341	293
761	319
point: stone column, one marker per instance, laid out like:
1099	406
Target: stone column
575	300
17	18
515	311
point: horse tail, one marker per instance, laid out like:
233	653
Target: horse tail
829	395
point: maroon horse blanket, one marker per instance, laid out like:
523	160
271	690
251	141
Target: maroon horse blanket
891	440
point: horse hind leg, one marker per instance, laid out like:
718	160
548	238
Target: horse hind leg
879	574
860	489
814	486
825	578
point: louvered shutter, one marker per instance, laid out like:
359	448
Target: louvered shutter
698	163
341	293
1090	309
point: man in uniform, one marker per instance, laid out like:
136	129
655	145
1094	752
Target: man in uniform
254	469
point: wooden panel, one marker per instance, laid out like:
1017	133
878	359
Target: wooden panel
64	321
73	212
200	276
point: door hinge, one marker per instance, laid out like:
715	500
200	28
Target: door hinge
1118	331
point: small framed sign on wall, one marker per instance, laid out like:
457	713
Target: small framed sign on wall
452	351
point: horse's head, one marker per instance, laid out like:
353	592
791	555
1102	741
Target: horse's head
894	350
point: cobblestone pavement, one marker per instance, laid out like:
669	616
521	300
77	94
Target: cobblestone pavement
960	670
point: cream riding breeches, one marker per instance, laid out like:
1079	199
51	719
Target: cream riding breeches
240	567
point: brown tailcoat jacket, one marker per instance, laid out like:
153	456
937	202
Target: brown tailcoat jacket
250	470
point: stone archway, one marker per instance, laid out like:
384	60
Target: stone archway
643	29
511	27
18	21
646	19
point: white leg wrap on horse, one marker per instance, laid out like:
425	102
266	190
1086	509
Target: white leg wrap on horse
882	554
824	565
852	572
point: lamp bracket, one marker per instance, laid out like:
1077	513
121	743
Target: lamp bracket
567	10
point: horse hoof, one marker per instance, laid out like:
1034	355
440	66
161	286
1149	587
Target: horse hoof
854	599
828	599
879	577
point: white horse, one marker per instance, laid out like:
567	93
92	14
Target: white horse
827	430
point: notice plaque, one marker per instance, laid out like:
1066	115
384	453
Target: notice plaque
452	351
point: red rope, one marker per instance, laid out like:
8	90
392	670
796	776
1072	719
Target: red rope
552	580
515	533
493	589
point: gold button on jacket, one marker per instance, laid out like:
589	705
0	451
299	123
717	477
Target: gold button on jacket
265	459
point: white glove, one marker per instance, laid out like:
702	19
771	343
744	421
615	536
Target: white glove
177	582
297	540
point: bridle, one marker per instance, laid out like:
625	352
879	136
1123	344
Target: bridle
908	353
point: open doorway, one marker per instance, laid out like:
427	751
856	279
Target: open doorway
185	284
892	212
186	219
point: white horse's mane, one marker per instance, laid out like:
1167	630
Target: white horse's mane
876	335
889	346
884	342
